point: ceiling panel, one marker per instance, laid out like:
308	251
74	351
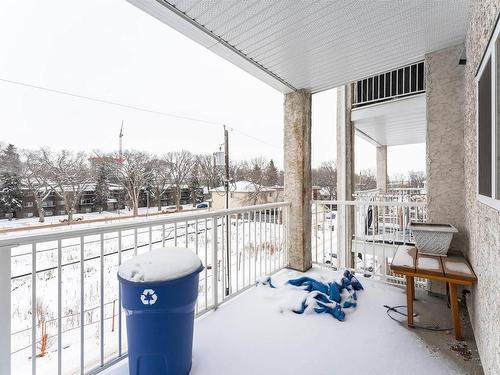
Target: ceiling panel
316	45
393	123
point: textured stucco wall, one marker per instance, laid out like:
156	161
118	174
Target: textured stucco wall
482	222
298	186
445	141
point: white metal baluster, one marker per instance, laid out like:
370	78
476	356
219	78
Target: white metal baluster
223	256
214	262
102	298
323	234
260	243
255	247
330	228
175	234
316	230
196	251
206	263
280	224
163	235
375	226
237	268
33	308
135	241
82	305
364	208
59	308
150	237
384	259
120	293
266	242
186	234
275	240
243	251
5	310
285	234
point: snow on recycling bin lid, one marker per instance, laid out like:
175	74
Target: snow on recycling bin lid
160	265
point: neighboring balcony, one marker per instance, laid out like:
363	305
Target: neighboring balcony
79	328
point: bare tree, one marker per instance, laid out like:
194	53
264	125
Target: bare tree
32	177
209	174
416	179
257	176
159	179
68	174
326	177
180	165
366	180
398	181
133	172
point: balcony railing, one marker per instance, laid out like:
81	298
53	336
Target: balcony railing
68	279
406	80
69	276
363	235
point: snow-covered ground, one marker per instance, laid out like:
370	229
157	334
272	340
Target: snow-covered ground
33	223
253	335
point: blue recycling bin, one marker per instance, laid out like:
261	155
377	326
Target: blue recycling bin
160	313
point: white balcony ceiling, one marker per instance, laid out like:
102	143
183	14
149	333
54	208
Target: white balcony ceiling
316	45
392	123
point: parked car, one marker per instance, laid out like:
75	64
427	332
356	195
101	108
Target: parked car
202	205
172	209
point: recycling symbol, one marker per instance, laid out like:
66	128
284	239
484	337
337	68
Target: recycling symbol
148	297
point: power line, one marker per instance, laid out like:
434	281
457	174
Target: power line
104	101
133	107
255	138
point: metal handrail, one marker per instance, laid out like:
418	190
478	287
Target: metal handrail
258	239
17	239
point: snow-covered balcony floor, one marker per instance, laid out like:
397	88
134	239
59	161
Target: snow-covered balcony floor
249	335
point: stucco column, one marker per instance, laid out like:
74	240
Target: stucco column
345	175
382	168
297	162
445	140
445	145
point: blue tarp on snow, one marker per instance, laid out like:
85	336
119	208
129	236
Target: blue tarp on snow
329	298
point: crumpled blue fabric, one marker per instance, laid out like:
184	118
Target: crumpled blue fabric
309	284
335	311
328	296
350	280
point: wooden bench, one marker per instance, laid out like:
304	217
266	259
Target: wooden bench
453	269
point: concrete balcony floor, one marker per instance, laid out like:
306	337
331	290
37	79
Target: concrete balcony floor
251	335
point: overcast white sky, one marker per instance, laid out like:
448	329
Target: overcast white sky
111	50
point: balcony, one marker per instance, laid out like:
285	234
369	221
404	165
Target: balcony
47	269
251	335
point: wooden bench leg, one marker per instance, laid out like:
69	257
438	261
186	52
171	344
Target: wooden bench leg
454	311
409	299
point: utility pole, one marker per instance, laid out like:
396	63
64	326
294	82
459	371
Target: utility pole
120	149
120	156
228	229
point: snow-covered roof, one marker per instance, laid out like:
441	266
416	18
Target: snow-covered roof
243	187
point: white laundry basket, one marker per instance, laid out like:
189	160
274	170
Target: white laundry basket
432	239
